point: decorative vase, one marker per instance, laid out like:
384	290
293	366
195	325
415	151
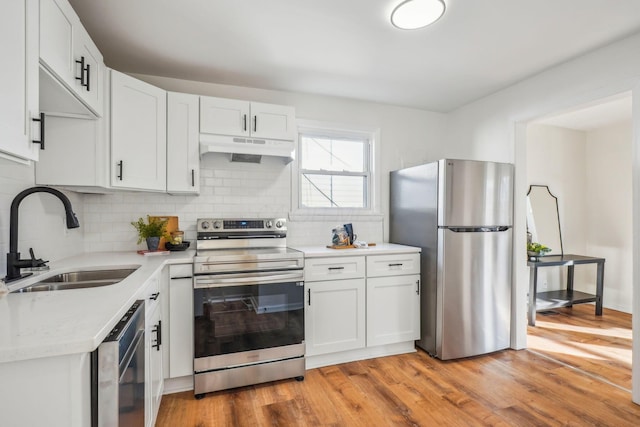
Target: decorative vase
153	243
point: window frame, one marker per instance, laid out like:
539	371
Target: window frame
371	196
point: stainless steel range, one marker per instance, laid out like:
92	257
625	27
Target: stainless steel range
248	304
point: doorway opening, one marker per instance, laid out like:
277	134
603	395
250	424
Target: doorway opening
584	156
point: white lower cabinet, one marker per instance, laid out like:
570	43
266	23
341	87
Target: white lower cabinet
358	307
154	378
393	309
334	316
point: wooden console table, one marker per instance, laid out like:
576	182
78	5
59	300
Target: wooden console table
566	297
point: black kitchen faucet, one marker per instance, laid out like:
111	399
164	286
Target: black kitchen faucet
14	263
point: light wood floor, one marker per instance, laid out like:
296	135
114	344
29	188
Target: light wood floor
598	345
508	388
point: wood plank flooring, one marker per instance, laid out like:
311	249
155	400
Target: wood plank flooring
597	345
508	388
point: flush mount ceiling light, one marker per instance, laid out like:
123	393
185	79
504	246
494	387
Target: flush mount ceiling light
414	14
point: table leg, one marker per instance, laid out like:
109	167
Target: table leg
533	285
570	282
599	288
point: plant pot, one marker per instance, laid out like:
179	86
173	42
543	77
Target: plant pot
153	243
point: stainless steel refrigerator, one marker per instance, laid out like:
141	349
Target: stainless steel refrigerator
460	213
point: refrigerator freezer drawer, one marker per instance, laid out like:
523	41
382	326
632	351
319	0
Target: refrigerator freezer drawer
473	193
473	293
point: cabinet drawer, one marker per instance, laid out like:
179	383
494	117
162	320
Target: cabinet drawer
393	265
334	268
180	271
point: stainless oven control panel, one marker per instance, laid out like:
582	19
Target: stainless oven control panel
242	225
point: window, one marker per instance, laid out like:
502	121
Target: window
334	170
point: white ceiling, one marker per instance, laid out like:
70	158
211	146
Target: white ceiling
349	48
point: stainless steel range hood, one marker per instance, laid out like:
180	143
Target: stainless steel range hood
248	150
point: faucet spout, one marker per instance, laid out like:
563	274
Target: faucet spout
14	263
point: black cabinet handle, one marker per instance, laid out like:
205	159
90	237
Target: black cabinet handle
309	297
82	71
85	72
120	166
255	123
418	287
396	265
336	268
41	142
154	296
244	122
157	329
193	177
88	81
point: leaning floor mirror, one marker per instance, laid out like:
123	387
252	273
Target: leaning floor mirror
543	218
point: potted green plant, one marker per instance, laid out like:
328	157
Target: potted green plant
151	231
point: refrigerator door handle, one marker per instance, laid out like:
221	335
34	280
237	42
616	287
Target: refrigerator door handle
478	229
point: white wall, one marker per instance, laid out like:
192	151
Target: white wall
41	218
494	128
407	137
608	210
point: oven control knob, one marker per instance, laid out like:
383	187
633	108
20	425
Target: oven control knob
217	225
268	224
279	224
205	225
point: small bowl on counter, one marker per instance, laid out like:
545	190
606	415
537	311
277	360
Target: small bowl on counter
177	247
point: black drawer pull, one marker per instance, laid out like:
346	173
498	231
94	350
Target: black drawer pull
336	268
154	296
396	265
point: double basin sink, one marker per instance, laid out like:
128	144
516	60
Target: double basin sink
79	280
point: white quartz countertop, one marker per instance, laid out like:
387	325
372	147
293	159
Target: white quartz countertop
54	323
378	249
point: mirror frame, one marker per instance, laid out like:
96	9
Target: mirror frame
557	212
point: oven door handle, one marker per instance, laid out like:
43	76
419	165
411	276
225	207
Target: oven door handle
215	281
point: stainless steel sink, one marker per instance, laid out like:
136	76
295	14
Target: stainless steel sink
79	280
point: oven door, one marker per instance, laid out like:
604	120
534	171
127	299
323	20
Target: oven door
248	312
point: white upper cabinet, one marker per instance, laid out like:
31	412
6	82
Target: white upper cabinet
183	158
233	117
138	134
72	64
19	79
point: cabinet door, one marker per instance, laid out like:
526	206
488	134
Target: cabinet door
183	157
138	134
19	78
155	379
180	327
393	309
272	121
223	116
90	86
334	316
56	39
68	139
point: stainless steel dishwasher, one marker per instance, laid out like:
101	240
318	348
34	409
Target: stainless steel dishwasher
119	373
